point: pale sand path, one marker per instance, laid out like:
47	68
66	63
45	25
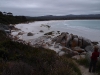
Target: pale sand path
84	71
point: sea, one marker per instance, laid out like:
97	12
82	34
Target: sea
89	29
86	28
91	24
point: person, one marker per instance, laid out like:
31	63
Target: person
94	59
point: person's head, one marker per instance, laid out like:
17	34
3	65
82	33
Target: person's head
95	48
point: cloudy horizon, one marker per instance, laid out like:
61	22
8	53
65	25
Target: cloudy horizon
49	7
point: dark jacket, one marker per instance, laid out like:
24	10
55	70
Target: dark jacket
95	54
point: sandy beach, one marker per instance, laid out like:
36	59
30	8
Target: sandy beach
35	27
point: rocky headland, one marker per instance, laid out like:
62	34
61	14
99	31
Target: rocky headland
63	43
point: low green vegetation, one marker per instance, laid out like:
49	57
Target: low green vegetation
84	62
8	18
20	59
98	67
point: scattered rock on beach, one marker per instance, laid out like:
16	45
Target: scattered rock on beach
86	42
75	53
54	39
83	53
20	33
58	32
78	49
64	49
49	33
74	42
89	48
41	31
94	43
61	53
56	45
63	43
78	57
29	34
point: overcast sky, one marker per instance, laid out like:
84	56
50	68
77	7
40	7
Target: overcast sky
50	7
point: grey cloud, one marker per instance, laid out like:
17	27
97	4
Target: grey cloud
50	7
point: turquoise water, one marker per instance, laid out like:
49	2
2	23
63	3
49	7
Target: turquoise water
86	28
92	24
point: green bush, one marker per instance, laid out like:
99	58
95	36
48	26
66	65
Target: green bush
83	62
98	67
67	67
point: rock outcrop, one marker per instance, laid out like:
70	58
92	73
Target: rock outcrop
73	45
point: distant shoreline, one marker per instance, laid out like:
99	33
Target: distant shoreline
66	17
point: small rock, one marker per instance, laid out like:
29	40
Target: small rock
54	39
74	42
63	43
58	32
20	33
66	50
45	46
83	53
29	34
75	53
89	48
61	53
79	57
86	42
78	49
56	45
76	57
82	56
49	33
41	31
94	43
80	43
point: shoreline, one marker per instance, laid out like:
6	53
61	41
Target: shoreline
76	31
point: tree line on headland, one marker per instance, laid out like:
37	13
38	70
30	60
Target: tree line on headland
8	18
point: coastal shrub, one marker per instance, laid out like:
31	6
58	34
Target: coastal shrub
65	66
98	67
17	68
83	62
21	59
3	53
2	35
